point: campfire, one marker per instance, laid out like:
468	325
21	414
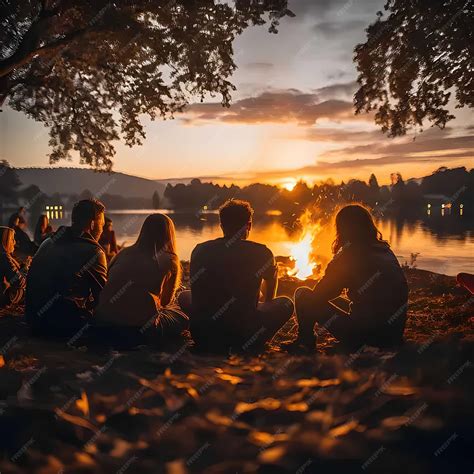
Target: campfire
302	260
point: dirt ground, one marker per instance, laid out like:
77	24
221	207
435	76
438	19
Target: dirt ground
70	407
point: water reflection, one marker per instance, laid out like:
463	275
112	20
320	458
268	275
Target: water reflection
445	243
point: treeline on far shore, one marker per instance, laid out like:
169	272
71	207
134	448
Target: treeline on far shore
452	189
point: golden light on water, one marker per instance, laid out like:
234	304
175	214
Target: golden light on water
301	252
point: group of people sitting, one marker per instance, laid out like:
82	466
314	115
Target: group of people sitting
232	302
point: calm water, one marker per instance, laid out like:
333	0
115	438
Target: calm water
445	244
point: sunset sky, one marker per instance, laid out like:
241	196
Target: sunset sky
291	118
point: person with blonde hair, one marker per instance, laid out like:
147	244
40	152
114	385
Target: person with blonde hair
362	297
139	297
12	274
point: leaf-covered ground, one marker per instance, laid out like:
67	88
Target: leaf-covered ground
67	407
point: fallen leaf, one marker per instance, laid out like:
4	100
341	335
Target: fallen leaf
75	420
343	429
262	438
231	378
265	403
300	406
315	382
395	422
273	454
83	404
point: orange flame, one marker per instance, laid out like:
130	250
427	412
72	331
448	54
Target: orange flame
301	252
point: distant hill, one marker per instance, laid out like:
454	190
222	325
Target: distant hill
76	180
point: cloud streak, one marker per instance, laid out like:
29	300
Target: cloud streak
281	106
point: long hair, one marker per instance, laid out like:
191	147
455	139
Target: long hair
14	220
158	236
41	227
6	237
355	225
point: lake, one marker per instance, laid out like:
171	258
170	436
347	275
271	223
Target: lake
445	244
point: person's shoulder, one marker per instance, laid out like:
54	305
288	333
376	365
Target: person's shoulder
258	247
208	244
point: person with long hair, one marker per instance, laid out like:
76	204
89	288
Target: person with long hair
362	297
108	239
24	246
43	229
139	297
12	273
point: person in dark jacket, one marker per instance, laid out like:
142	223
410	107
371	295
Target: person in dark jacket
362	297
68	273
232	302
12	274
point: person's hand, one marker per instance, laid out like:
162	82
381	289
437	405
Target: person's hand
27	262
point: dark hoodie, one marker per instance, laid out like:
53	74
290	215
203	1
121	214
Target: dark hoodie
64	281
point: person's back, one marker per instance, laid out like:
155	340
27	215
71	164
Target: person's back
67	273
374	306
376	287
228	273
137	304
226	276
133	293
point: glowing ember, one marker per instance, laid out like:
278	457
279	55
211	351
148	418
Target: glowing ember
301	252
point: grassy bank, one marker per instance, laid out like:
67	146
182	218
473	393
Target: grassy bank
67	406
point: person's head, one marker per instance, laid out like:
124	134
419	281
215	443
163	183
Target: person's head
43	223
7	239
157	235
355	225
14	220
236	218
88	216
21	222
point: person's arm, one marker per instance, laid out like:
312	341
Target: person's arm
113	243
97	273
14	276
335	278
270	277
170	284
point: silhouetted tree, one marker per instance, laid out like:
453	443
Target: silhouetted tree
413	58
446	181
72	64
374	189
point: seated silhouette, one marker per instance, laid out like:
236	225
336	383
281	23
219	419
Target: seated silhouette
12	273
139	297
466	280
67	274
108	239
24	246
226	277
362	297
43	229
